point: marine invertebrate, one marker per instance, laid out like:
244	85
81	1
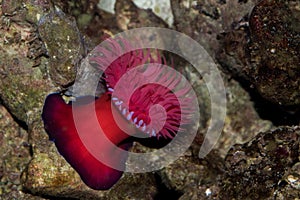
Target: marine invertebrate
61	128
154	100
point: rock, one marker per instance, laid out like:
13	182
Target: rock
204	20
188	173
22	86
64	46
266	53
48	174
255	169
129	16
242	121
134	186
160	8
14	156
275	52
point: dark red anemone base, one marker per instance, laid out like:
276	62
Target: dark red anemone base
60	126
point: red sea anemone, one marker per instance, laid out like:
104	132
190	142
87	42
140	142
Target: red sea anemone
151	99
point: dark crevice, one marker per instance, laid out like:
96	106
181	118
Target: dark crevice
164	192
48	197
21	123
58	198
278	115
153	142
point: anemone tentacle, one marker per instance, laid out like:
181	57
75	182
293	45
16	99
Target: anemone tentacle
157	86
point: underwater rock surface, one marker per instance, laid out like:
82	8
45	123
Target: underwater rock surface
275	51
263	167
264	49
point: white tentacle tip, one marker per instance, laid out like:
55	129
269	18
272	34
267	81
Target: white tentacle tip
129	116
110	89
153	133
144	128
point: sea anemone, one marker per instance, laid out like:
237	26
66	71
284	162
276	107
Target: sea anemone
147	96
149	83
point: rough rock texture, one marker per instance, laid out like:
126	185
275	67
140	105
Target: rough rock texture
204	20
263	167
130	16
15	155
275	51
63	43
49	175
22	85
267	51
242	122
188	175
